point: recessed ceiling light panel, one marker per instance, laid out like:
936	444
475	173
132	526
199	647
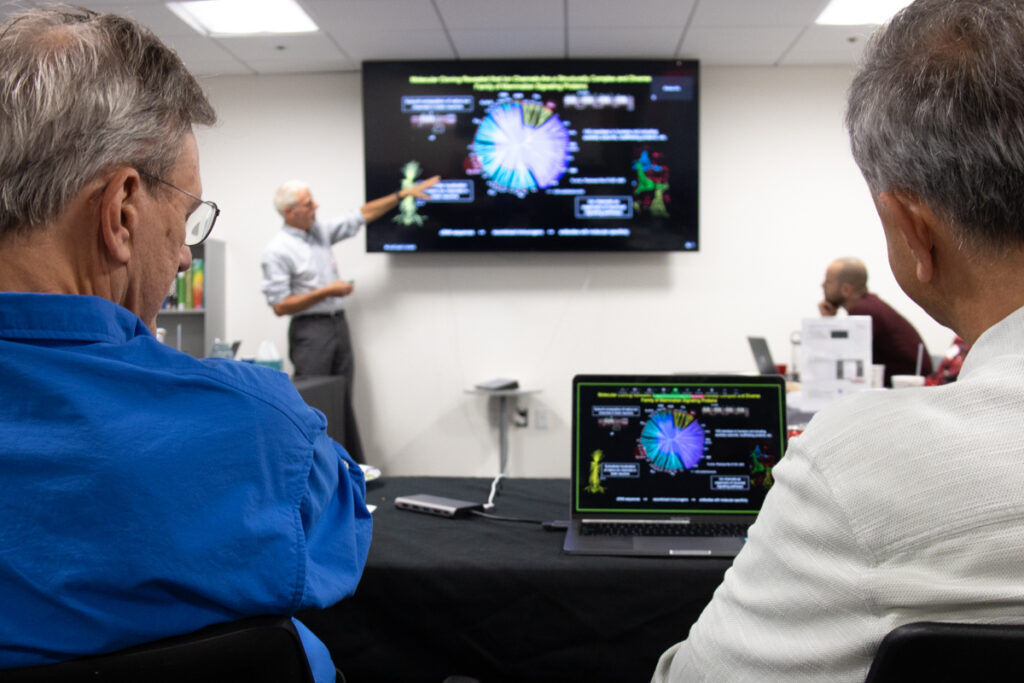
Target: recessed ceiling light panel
860	12
243	17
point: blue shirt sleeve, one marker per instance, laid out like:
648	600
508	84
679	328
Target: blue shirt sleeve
337	529
320	662
336	523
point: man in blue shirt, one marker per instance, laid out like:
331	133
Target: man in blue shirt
145	493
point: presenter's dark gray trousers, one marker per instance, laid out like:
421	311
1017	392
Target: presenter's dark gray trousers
319	344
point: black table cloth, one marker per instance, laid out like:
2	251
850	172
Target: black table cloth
499	600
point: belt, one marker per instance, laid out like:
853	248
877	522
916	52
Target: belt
340	313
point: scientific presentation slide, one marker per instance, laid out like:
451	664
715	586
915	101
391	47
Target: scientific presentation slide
677	448
534	155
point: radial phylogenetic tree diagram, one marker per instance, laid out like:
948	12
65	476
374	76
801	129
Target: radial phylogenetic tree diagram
522	146
673	440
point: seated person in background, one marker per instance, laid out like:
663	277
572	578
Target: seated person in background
145	493
894	341
949	366
902	506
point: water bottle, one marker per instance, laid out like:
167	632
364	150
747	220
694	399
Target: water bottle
222	349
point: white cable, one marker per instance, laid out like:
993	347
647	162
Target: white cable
489	505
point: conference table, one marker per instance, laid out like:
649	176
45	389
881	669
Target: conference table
498	600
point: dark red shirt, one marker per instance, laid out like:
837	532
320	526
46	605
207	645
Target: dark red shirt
949	367
893	339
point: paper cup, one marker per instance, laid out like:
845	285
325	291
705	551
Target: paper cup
904	381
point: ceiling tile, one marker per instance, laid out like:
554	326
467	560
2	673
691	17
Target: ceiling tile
414	45
648	43
280	51
300	65
738	46
829	45
544	15
200	54
757	12
509	43
373	15
210	68
618	13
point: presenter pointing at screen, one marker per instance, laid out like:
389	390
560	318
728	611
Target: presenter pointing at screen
300	279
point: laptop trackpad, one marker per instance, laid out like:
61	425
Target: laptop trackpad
675	546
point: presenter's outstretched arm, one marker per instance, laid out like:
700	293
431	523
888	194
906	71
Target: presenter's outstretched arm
375	208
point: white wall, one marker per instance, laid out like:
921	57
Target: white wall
780	197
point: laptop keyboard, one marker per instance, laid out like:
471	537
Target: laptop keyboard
662	529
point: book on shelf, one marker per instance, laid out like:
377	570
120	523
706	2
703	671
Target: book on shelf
197	282
187	289
180	280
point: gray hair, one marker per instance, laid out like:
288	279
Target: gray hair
287	195
937	112
82	93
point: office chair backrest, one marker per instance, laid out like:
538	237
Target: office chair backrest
253	650
938	652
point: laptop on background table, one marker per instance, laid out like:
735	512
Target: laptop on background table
762	356
671	465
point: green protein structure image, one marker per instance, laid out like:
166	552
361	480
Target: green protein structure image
408	214
594	485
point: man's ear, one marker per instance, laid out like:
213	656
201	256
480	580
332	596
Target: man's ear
119	213
915	223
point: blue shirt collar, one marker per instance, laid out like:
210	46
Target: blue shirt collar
69	317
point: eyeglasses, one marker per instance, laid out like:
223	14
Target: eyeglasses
199	223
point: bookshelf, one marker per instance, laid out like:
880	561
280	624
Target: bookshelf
198	327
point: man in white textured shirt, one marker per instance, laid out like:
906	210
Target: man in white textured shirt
905	505
300	279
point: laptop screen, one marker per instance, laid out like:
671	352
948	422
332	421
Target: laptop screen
675	444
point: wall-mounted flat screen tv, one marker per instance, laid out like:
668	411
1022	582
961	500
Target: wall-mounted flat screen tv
552	155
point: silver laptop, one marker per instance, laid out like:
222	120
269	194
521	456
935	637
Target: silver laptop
671	465
762	356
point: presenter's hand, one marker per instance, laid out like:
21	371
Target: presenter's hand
827	308
419	190
339	288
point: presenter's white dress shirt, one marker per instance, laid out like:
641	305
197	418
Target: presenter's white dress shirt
299	261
